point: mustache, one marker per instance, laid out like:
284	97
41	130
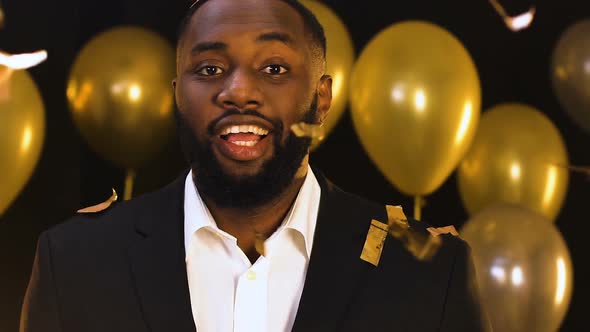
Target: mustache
276	124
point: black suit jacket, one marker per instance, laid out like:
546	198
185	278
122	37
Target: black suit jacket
123	270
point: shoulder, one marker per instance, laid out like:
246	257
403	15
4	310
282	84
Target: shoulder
115	223
449	244
448	235
108	227
118	216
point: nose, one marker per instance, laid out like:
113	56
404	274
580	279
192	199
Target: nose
240	90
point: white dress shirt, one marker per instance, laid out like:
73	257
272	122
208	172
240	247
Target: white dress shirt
227	292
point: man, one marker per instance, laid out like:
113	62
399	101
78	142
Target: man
251	238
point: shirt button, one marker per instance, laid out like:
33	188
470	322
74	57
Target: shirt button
251	275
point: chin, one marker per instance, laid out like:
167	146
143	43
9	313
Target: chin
243	172
241	169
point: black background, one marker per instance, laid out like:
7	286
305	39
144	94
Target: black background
512	67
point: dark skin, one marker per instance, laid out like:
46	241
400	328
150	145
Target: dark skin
249	55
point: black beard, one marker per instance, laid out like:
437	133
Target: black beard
242	192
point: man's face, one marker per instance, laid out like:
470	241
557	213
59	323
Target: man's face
245	73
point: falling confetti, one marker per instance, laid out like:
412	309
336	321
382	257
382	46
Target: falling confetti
314	131
22	61
514	23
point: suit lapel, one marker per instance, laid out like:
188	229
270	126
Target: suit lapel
335	268
158	261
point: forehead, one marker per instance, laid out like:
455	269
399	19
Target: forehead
222	19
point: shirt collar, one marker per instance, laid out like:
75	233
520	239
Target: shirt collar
301	217
196	213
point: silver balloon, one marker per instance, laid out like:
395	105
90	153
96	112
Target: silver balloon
570	72
523	266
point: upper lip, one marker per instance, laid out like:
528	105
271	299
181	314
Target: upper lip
240	120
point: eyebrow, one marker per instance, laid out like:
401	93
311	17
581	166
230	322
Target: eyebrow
276	36
208	46
265	37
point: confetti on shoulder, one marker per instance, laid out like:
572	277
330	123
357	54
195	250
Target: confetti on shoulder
435	231
102	206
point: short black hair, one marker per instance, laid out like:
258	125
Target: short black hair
311	22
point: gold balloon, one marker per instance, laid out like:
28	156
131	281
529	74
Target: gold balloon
22	131
415	102
570	72
518	156
120	94
523	268
339	60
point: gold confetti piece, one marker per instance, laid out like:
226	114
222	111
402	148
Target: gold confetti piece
374	242
397	221
259	243
422	246
395	212
314	131
435	231
428	249
102	206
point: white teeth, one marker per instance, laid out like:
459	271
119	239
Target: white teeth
245	143
244	129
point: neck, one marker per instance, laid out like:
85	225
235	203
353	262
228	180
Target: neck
246	223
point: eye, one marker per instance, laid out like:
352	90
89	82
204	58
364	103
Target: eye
210	71
275	70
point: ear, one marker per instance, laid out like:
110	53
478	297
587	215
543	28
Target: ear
324	97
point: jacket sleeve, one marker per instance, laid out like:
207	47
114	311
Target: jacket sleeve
40	308
463	309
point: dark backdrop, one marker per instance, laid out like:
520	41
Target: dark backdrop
512	67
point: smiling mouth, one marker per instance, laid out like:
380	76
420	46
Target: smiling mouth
243	135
